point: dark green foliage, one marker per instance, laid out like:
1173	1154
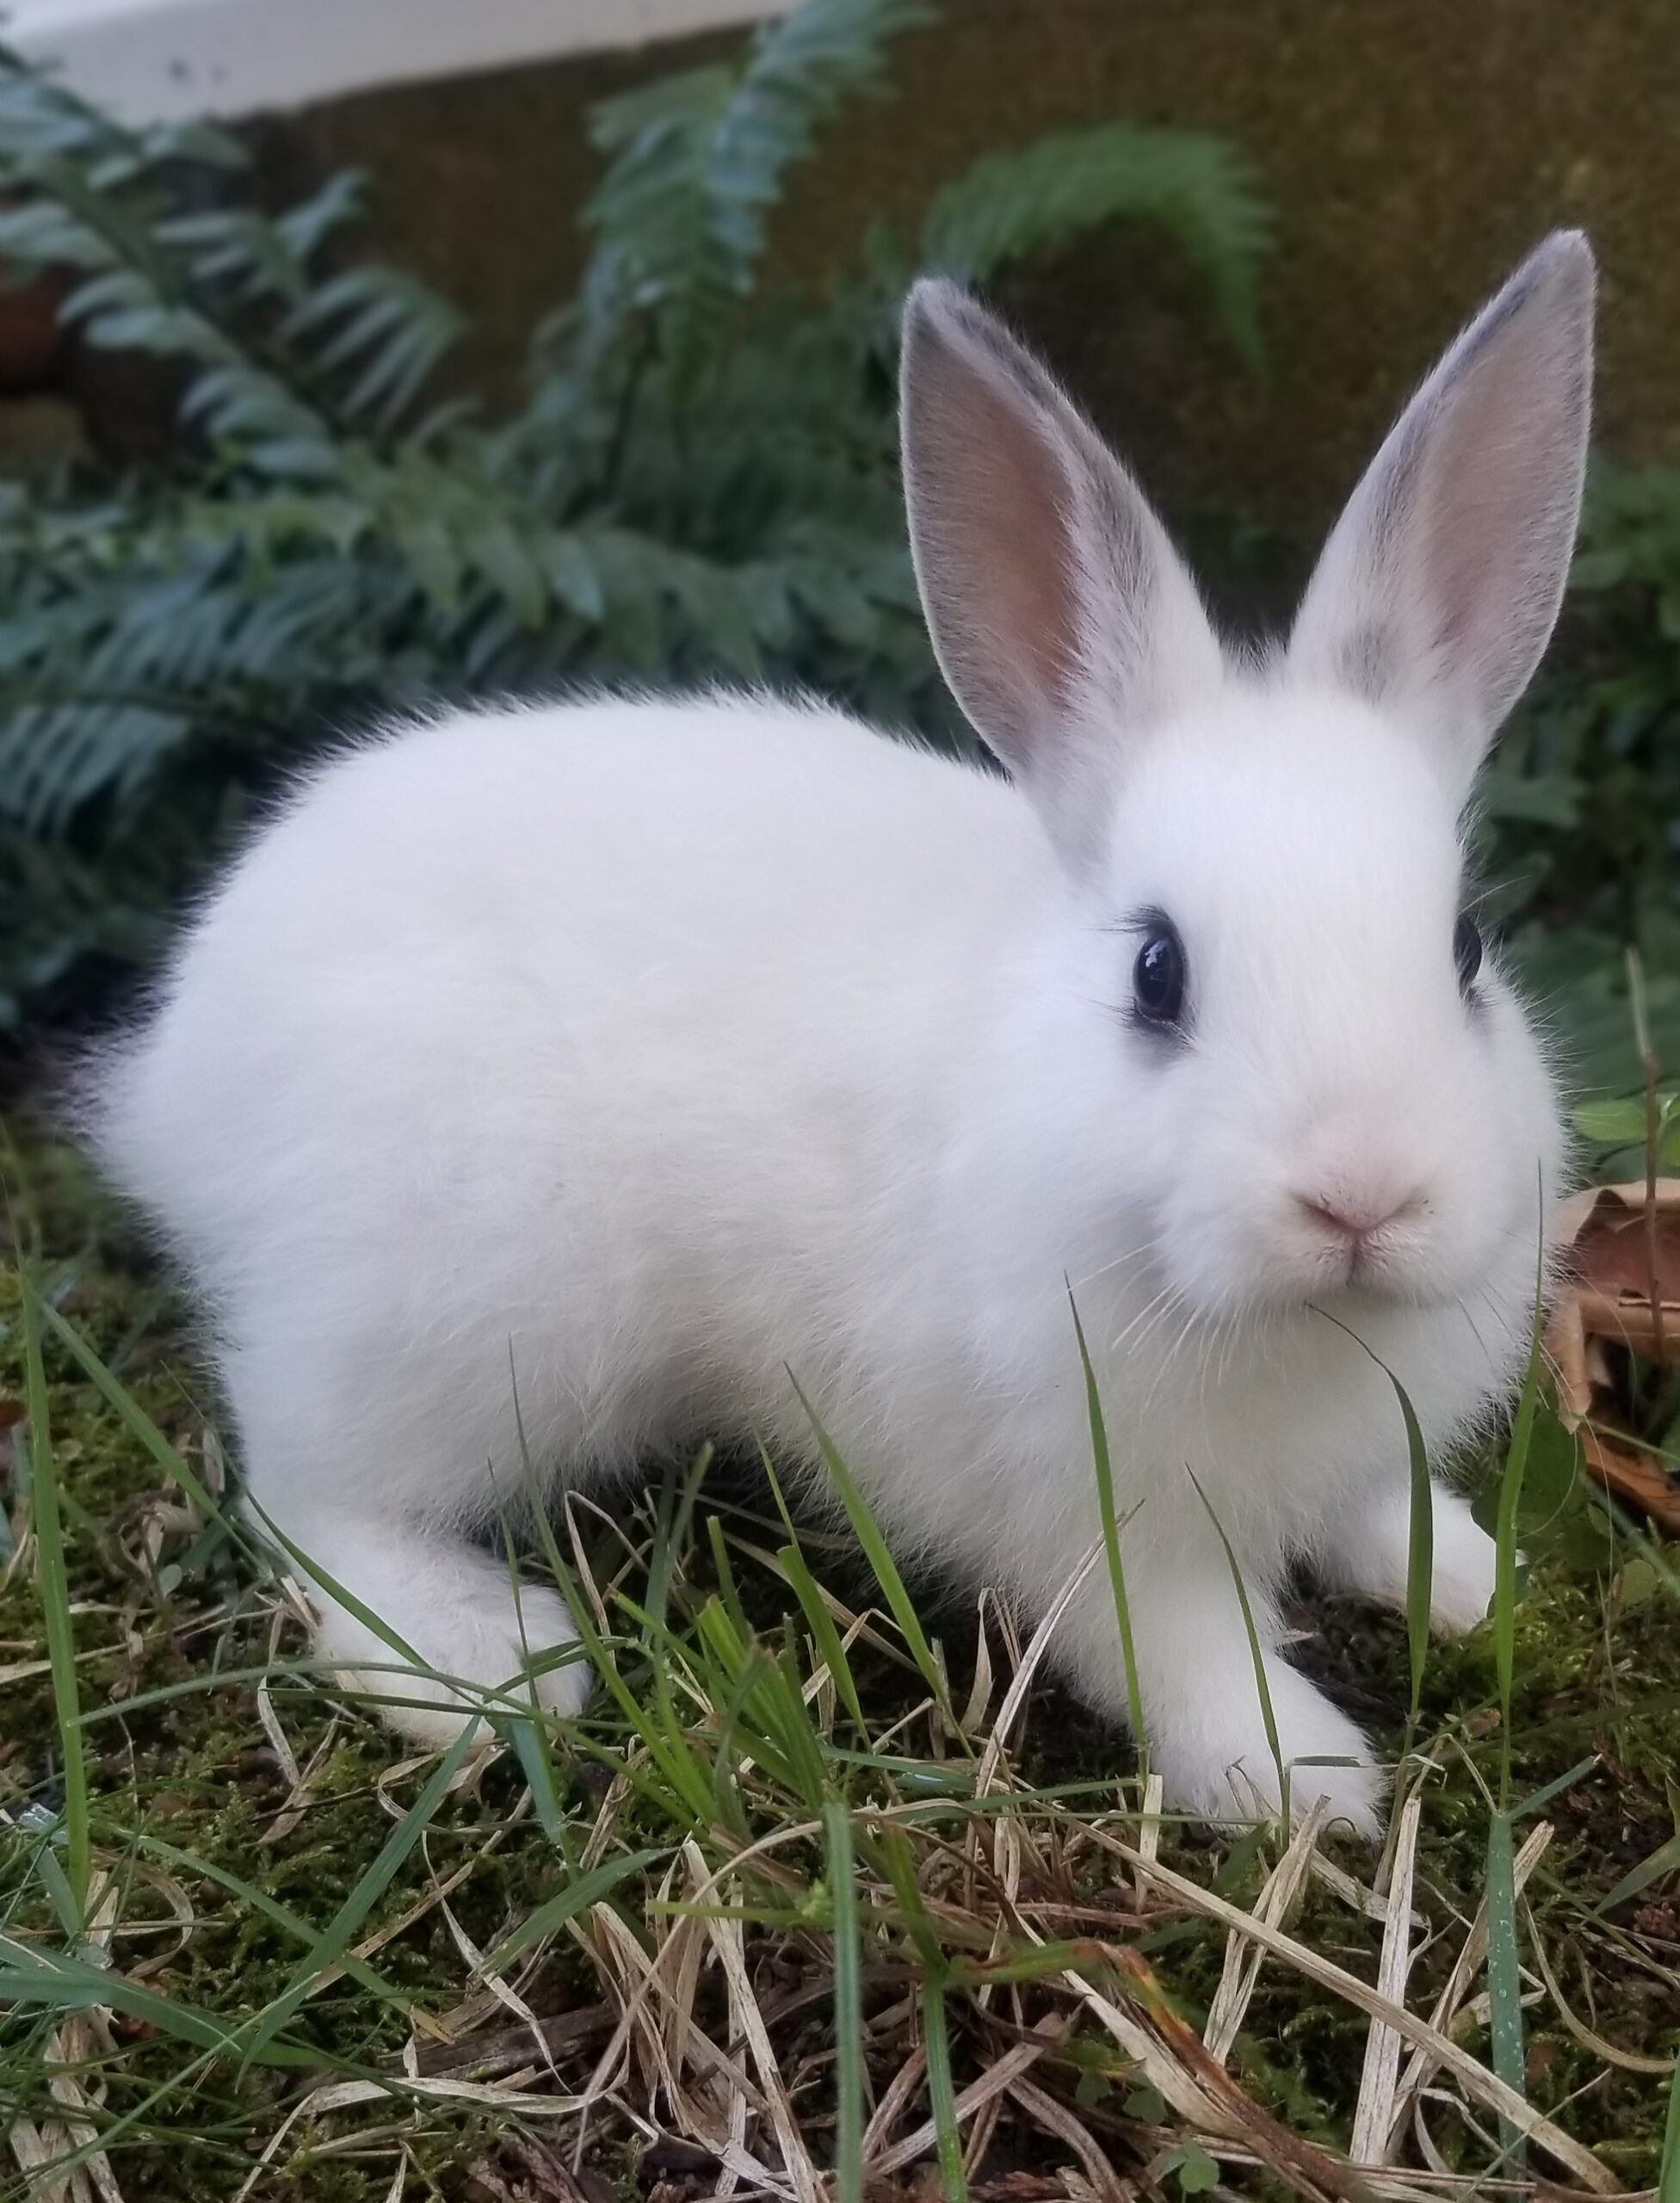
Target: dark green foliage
701	485
697	167
1011	204
1583	803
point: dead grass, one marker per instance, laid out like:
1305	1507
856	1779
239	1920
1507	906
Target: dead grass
835	1895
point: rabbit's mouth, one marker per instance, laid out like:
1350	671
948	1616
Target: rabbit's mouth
1294	1268
1379	1266
1291	1267
1359	1240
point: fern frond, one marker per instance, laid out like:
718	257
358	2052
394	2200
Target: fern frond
681	499
1199	190
197	285
699	160
391	329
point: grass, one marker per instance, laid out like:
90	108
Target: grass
831	1891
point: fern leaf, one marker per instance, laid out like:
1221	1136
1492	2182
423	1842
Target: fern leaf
388	325
699	159
320	550
1010	206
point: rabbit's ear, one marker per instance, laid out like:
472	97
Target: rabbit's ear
1441	582
1061	615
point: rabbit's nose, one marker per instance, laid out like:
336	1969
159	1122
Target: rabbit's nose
1354	1218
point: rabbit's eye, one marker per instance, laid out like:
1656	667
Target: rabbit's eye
1157	977
1467	950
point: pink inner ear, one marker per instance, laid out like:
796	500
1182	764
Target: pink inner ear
997	499
1482	501
1497	502
1439	586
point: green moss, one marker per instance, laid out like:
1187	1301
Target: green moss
196	1771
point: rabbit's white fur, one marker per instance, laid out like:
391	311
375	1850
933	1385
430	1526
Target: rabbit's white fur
619	1057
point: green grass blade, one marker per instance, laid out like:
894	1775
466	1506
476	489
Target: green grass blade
1042	1963
137	1422
1504	1977
671	1532
529	1739
893	1853
1668	2179
1105	1500
664	1718
335	1938
1510	1496
52	1579
848	2004
1538	1799
776	1492
880	1560
942	2090
488	1700
688	1785
812	1605
766	1689
728	1589
803	1742
67	1985
306	1672
728	1810
826	1638
740	1685
527	1734
1663	1861
1242	1854
674	1770
1257	1652
43	1863
1420	1529
318	1573
1419	1551
577	1897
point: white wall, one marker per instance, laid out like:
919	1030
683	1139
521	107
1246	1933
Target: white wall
165	60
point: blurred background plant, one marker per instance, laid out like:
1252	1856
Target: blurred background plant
700	486
1581	809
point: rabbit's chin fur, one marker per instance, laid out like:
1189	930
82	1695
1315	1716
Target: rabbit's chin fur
565	1085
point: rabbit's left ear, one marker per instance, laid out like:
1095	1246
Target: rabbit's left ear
1441	582
1059	613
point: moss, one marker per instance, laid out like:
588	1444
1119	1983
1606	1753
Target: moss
197	1771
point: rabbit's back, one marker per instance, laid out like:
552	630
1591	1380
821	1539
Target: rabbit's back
614	1035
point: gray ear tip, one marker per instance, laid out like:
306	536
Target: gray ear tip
1563	265
935	294
1567	245
935	306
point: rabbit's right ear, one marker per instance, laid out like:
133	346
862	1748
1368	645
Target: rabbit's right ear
1061	615
1438	589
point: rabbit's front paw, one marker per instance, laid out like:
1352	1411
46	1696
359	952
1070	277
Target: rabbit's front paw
1218	1762
1466	1558
1370	1551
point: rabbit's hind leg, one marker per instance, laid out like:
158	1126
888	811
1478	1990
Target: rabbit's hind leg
374	1492
475	1642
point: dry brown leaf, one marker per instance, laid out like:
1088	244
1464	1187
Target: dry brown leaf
1622	1290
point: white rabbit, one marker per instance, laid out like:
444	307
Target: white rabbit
628	1055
